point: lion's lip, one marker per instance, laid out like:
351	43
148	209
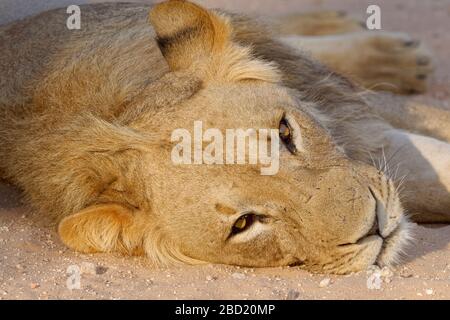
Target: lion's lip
390	231
374	231
383	229
375	228
386	221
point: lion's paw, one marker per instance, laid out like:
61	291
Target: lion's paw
393	62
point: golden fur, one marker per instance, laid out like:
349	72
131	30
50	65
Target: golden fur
87	115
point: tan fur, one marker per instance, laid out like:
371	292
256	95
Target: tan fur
317	23
116	221
86	119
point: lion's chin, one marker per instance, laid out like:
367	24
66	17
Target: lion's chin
394	246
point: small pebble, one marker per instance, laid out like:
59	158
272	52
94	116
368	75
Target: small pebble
387	274
405	273
34	285
100	270
429	292
374	281
325	283
372	269
293	295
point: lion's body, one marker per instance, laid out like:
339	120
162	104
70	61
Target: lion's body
80	109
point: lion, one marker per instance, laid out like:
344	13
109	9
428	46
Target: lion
87	117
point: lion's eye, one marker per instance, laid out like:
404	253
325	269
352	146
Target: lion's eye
285	132
286	135
243	223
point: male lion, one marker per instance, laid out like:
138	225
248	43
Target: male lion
87	116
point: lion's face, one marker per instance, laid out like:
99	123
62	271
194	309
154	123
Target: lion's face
321	210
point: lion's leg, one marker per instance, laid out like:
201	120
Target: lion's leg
403	113
317	24
377	60
421	166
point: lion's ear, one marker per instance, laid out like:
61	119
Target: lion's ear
187	33
100	228
191	37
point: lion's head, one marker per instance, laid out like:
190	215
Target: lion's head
321	210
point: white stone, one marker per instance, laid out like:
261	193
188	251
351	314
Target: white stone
325	283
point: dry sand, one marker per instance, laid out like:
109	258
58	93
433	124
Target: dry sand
34	263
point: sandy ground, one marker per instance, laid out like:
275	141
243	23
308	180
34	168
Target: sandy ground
35	265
